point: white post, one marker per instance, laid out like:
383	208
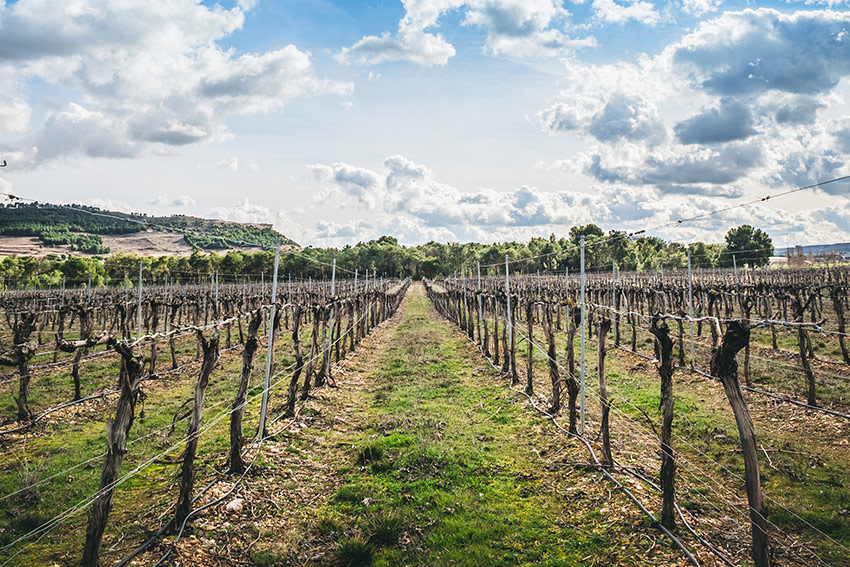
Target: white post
480	308
216	293
735	269
510	322
368	304
583	315
463	283
139	310
691	306
270	351
88	289
165	307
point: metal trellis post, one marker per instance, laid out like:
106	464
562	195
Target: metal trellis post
583	315
269	352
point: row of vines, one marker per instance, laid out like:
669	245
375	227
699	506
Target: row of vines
751	353
147	362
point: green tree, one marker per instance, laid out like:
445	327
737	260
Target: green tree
749	245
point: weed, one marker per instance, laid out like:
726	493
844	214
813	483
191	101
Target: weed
268	558
384	528
370	453
354	552
351	493
327	525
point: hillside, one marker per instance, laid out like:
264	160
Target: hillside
842	248
38	229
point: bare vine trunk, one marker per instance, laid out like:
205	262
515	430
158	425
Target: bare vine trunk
187	474
237	464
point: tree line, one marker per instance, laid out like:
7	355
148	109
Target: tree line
386	257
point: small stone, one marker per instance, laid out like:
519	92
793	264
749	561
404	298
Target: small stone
235	506
367	501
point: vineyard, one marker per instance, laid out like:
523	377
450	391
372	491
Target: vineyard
774	470
160	424
168	368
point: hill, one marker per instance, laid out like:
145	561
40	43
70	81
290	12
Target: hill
842	248
39	229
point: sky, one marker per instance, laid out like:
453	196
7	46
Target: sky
446	120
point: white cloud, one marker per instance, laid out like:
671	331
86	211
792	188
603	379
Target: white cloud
637	10
231	163
412	45
519	28
743	99
111	205
731	121
756	51
700	7
408	201
15	112
6	189
147	74
244	211
178	201
409	193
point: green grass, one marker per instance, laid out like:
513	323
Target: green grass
453	478
803	491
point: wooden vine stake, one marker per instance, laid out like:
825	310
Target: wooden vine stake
85	315
724	367
289	409
838	305
573	321
800	308
554	375
602	333
659	328
117	431
187	475
20	354
237	465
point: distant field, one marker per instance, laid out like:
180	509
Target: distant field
150	243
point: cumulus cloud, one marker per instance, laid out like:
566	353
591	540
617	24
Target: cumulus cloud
700	7
178	201
244	211
674	171
5	189
111	205
608	115
627	118
755	51
412	204
148	74
799	110
731	121
404	191
637	10
520	28
412	45
743	96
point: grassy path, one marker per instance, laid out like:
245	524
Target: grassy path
422	456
